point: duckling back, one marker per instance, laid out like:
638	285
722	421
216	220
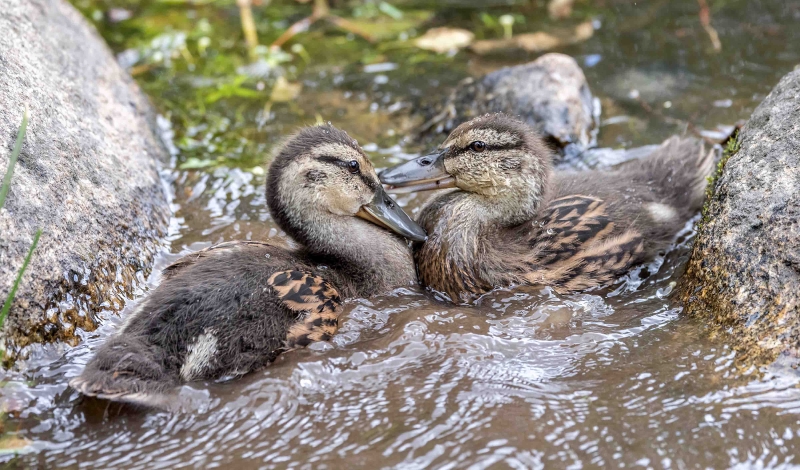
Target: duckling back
223	311
654	196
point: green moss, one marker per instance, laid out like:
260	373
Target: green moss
731	148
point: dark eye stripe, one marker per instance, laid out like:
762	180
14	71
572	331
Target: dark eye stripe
490	147
332	160
513	146
344	164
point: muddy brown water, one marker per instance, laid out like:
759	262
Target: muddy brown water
525	379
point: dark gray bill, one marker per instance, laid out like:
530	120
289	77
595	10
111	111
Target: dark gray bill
422	173
384	211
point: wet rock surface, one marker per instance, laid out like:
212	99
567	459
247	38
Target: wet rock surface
744	272
549	93
87	175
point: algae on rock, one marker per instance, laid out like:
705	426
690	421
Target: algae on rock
744	272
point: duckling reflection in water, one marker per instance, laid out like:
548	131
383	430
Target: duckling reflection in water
234	307
512	220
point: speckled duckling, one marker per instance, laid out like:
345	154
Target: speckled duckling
512	220
234	307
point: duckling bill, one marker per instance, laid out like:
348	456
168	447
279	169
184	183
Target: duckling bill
510	219
234	307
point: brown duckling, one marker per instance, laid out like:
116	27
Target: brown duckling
512	220
234	307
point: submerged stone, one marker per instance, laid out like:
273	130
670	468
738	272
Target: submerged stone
88	175
549	93
744	272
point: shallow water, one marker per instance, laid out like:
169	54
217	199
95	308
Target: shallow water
525	379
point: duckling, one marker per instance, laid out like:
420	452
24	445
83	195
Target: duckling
512	220
234	307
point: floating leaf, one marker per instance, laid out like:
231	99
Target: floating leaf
443	40
284	91
560	9
387	27
11	444
536	42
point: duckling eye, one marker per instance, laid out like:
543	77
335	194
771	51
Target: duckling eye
353	166
477	146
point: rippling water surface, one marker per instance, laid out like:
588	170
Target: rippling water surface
525	379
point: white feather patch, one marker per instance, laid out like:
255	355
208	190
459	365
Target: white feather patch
199	356
661	212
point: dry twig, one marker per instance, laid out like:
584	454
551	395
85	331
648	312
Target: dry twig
321	11
705	20
248	25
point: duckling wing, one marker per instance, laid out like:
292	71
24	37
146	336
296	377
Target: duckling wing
577	246
313	297
570	224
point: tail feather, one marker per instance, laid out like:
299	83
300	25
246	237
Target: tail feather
676	171
126	370
705	168
697	175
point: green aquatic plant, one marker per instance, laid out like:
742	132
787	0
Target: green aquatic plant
218	82
3	192
13	160
10	298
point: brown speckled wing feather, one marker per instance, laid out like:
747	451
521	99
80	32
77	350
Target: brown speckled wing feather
314	298
570	224
576	246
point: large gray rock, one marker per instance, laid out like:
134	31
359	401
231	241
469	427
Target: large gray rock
87	175
549	93
744	272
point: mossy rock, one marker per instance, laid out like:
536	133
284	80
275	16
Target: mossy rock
87	176
550	93
744	272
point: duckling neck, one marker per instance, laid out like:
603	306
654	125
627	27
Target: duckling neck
362	258
504	206
471	246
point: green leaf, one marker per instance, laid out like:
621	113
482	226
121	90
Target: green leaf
193	163
10	298
246	93
390	10
13	160
489	21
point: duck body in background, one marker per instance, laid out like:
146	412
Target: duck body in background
511	220
234	307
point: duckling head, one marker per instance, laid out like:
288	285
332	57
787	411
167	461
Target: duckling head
494	157
323	191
